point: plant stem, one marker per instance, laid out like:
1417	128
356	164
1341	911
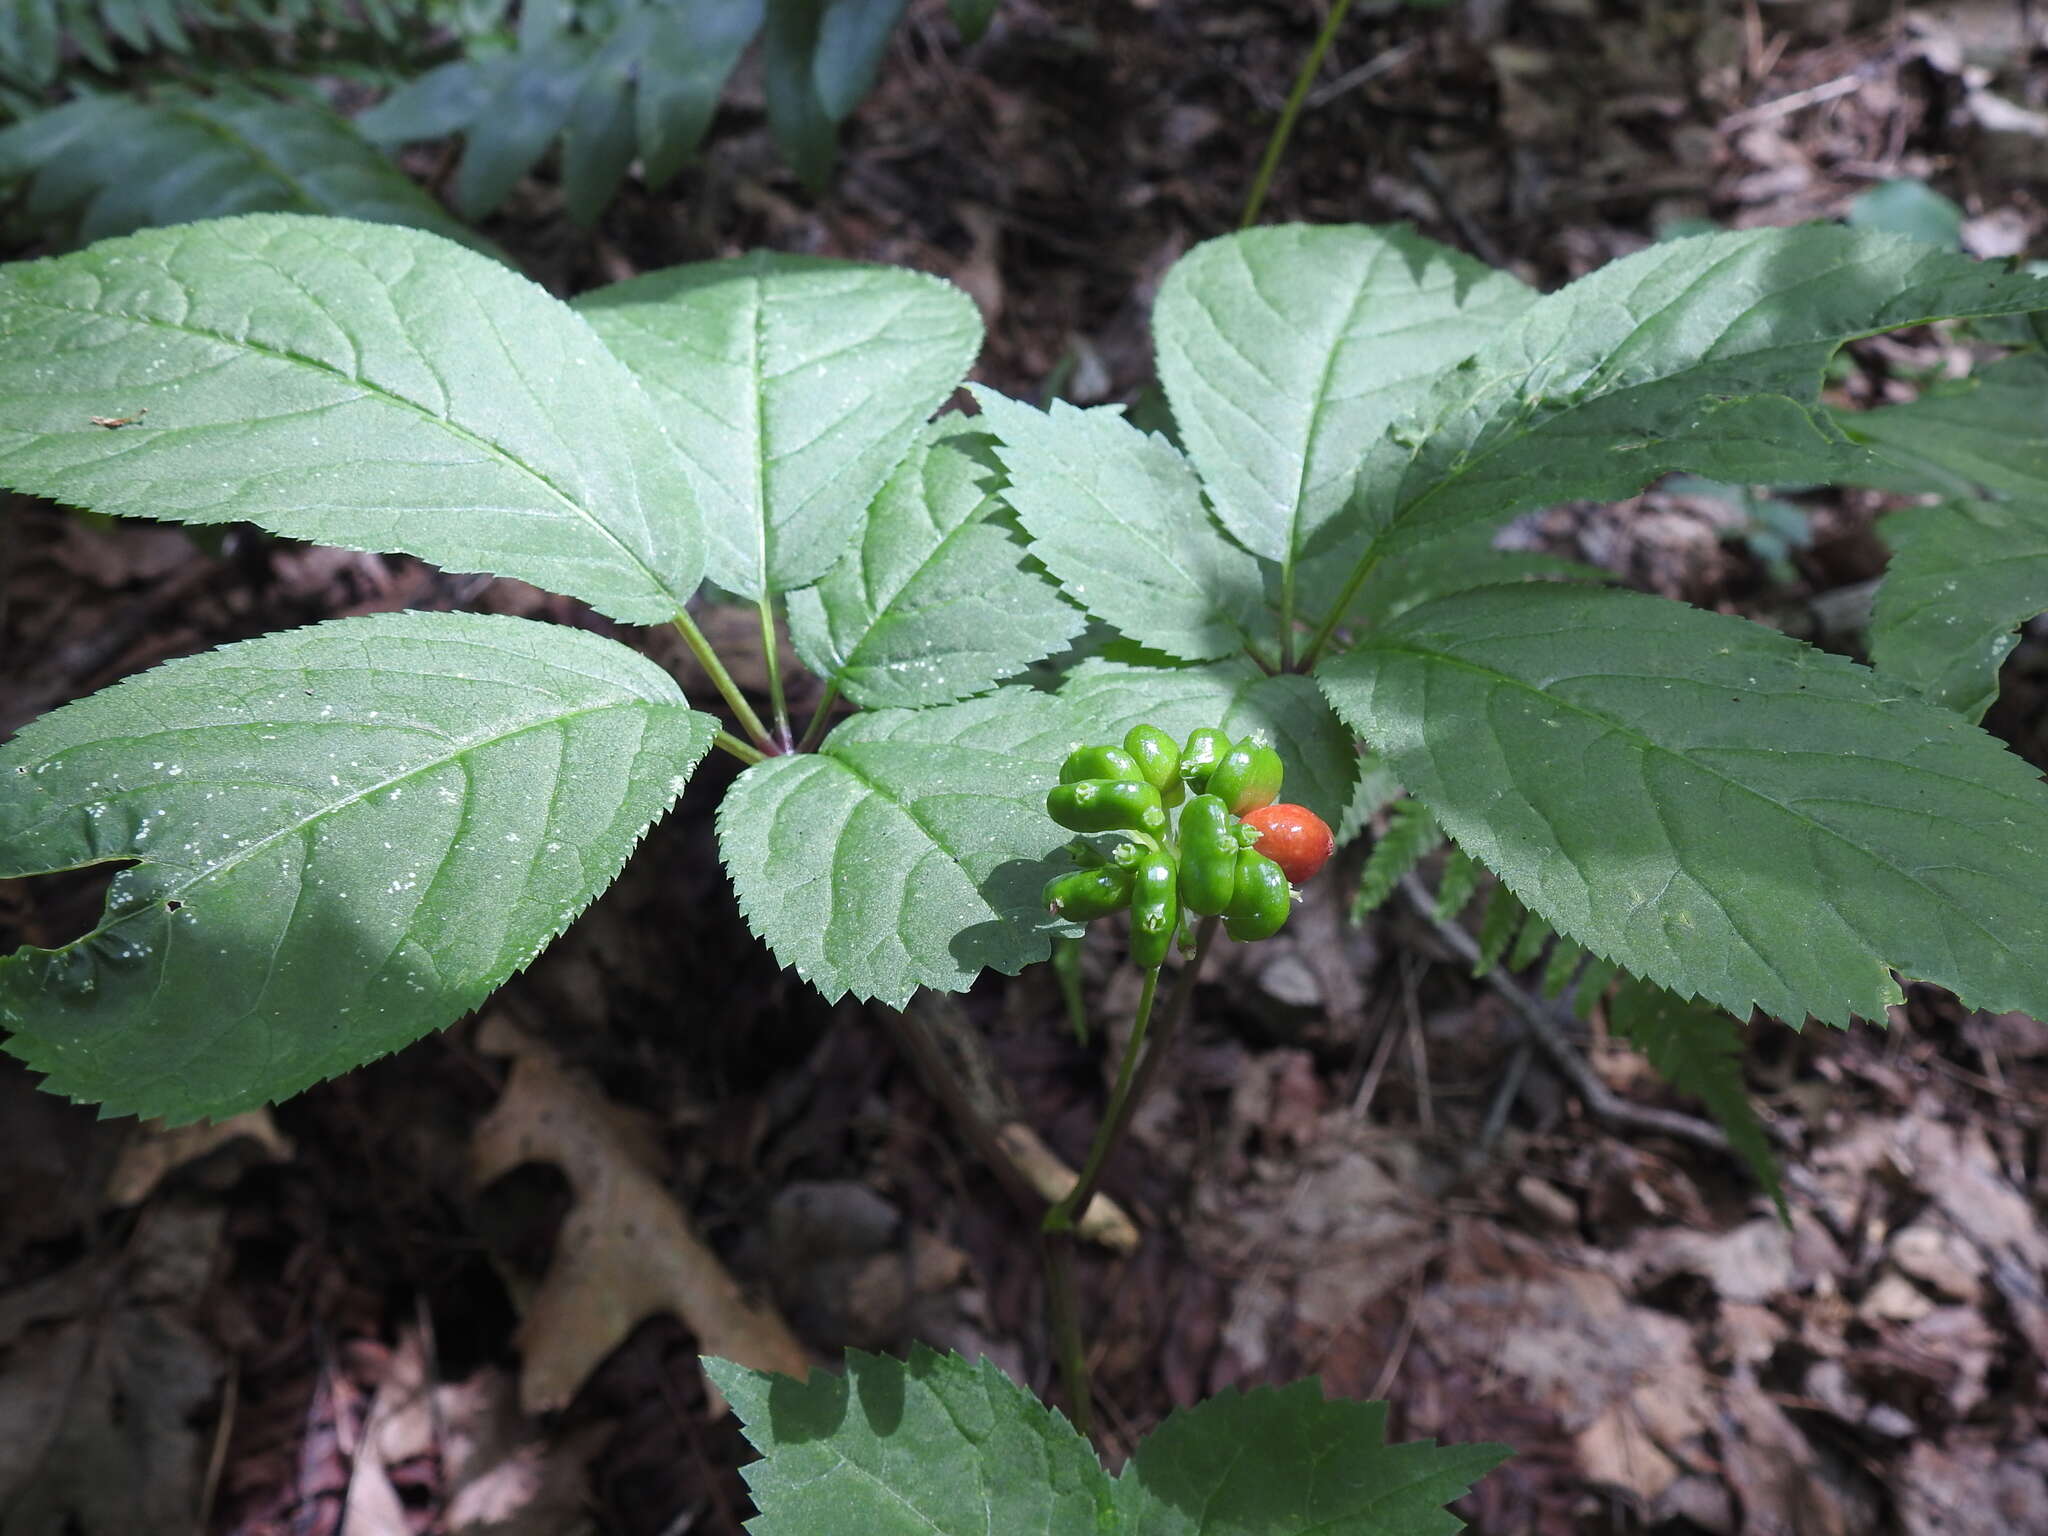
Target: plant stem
1061	1217
1329	625
772	656
1283	130
1132	1079
721	679
820	718
744	751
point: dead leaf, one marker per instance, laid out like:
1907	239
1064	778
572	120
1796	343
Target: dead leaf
1973	1490
156	1151
625	1252
104	1400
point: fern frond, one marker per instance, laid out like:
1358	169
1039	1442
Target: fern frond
1411	836
1503	919
108	165
1693	1046
1697	1049
36	38
1562	966
634	77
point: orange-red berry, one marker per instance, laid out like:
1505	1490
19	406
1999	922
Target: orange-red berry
1294	837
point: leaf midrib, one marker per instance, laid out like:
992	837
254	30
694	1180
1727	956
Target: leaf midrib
1648	745
1594	395
467	434
331	808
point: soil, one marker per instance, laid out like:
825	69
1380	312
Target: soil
1356	1166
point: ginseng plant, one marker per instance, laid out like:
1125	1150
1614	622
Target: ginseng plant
335	839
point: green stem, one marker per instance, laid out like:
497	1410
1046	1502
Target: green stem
1329	625
1283	130
1132	1081
820	718
1176	1014
773	656
1064	1320
745	752
1061	1217
721	679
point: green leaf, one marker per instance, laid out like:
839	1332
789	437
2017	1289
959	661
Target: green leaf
1457	885
599	138
971	17
908	851
1703	354
1497	929
1280	1461
691	48
1288	352
440	102
793	386
1698	1050
936	1446
1964	576
804	131
1719	808
1117	516
532	93
1412	835
352	384
1909	207
108	165
346	836
1461	561
1376	789
1108	698
938	600
1963	437
852	37
911	1448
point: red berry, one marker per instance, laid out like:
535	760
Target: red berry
1294	837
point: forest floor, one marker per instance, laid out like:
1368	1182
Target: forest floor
342	1316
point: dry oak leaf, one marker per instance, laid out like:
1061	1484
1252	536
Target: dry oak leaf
625	1252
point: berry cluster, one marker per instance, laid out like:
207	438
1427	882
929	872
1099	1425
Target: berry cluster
1233	850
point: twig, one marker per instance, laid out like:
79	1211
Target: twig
1549	1032
950	1061
1785	106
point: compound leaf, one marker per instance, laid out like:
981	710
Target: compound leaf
1117	515
792	385
1698	1050
1964	576
909	851
1715	806
1237	697
929	1446
938	600
1702	354
1288	351
353	384
1281	1461
344	836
